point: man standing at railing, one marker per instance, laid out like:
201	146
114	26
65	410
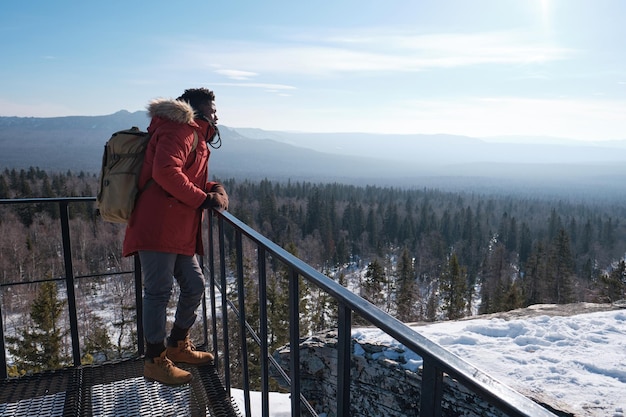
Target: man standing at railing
164	228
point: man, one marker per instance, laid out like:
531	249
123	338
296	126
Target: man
165	227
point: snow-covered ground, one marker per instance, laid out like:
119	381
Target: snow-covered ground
575	362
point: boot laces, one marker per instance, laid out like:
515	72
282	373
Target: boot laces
188	345
166	364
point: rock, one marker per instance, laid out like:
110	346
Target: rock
380	385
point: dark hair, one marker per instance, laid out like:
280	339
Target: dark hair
197	96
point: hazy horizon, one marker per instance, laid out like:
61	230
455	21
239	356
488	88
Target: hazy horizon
581	170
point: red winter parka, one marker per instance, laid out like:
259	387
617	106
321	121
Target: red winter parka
167	215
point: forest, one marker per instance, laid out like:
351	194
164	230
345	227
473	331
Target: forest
419	254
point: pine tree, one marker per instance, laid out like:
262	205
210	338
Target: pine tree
499	291
432	305
324	315
4	187
525	244
278	302
277	311
453	289
613	285
96	339
391	223
48	192
561	271
554	224
40	345
406	295
374	283
371	227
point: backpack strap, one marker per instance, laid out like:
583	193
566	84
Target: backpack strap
195	140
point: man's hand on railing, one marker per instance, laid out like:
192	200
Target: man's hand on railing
216	198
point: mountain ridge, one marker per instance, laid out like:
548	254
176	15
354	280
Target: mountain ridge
451	161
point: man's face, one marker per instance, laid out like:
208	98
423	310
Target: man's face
209	111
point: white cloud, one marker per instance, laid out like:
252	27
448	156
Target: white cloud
379	50
258	85
236	74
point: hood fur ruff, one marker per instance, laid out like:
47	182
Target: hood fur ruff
175	110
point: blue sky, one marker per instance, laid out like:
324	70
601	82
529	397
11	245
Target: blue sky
480	68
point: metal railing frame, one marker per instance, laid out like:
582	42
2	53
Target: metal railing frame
70	280
436	360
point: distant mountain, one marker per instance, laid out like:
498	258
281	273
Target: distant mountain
61	143
76	143
444	149
112	122
442	161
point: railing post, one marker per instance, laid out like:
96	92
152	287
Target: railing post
294	341
224	295
139	306
432	390
212	287
344	353
69	280
242	324
265	407
205	326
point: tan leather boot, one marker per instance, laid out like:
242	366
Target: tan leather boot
185	352
163	370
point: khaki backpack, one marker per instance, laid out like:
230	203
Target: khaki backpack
118	185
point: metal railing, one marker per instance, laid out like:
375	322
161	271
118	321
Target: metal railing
436	360
70	280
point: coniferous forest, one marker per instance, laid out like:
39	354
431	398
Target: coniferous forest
419	254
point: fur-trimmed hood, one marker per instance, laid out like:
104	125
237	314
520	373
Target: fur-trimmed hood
175	110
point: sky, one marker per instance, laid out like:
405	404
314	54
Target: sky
575	361
481	68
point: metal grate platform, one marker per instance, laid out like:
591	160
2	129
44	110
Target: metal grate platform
114	389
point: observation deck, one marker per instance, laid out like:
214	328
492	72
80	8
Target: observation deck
119	389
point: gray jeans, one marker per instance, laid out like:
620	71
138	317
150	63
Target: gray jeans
159	270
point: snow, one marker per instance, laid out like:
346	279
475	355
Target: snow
280	404
577	362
